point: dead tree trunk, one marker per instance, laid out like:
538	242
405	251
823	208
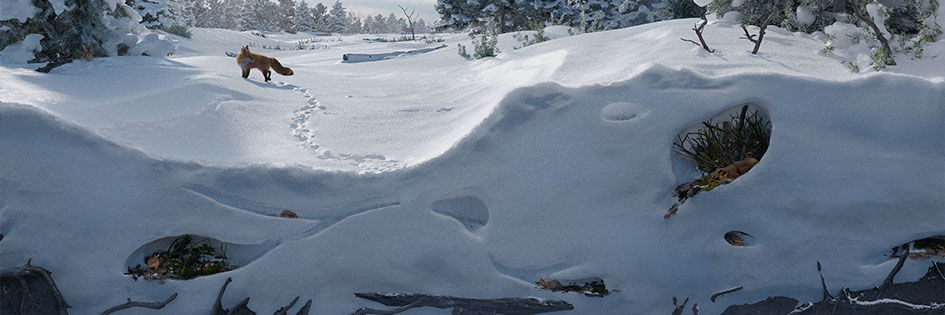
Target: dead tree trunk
873	27
763	26
698	28
413	36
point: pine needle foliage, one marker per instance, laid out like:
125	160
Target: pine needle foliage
718	145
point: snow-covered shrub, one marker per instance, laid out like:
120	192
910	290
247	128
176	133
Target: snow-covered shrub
462	51
525	40
751	12
587	15
178	30
806	15
681	9
484	41
71	27
22	52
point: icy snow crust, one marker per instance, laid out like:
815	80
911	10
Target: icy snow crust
552	161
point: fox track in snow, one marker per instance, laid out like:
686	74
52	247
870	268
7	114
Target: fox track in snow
301	125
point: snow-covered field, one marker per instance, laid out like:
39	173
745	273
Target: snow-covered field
431	173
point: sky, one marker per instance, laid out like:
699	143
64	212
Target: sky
375	7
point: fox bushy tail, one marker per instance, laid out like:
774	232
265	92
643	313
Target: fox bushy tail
279	68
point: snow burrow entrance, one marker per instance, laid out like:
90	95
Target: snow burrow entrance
213	255
719	150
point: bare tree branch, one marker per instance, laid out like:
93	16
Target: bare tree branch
823	283
763	27
413	36
130	304
217	306
872	24
305	308
698	28
285	310
724	292
892	274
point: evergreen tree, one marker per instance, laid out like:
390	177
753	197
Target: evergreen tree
355	25
320	14
337	19
303	20
285	18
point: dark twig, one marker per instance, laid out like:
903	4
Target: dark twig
679	308
285	310
698	28
941	275
892	274
218	306
130	304
879	35
721	293
53	64
305	308
823	283
761	31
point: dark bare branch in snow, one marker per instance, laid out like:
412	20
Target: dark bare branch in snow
823	283
285	310
763	27
698	28
874	28
410	16
892	273
721	293
680	307
130	304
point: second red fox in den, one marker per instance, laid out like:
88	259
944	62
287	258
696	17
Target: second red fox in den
248	60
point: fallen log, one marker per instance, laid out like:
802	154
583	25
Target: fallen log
461	305
353	58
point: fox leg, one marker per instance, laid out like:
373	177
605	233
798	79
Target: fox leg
268	75
245	73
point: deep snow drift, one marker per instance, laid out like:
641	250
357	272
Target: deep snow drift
552	161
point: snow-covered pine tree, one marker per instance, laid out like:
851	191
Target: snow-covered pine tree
320	14
227	13
303	20
203	16
458	14
69	28
354	24
286	16
395	25
337	18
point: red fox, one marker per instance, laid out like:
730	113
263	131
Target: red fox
248	60
729	173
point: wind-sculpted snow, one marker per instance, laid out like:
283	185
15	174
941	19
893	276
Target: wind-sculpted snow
555	183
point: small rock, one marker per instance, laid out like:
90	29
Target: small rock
288	214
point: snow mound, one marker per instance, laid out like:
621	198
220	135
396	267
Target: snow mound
22	52
550	184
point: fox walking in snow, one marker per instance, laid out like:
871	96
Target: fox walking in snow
248	60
